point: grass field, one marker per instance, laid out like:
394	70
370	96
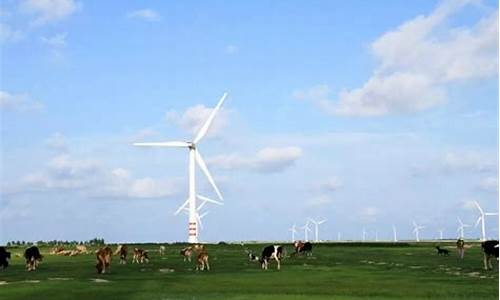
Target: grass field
336	271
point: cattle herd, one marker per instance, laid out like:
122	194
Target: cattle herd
269	254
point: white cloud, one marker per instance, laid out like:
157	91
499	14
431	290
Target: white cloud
320	201
56	41
329	185
468	161
144	14
489	184
57	142
195	116
267	160
46	11
8	34
19	102
418	60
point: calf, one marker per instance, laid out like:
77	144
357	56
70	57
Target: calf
443	252
303	248
140	256
202	260
103	256
186	253
4	257
122	250
33	258
490	250
252	257
271	252
162	250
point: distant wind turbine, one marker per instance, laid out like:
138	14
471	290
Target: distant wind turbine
293	229
316	227
416	231
338	236
364	234
395	238
306	229
482	215
461	227
441	233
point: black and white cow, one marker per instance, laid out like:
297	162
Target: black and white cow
4	257
33	257
490	250
271	252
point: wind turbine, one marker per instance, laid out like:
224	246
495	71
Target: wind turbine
316	227
395	238
190	205
461	227
364	234
416	230
293	229
306	229
482	214
376	235
338	236
441	233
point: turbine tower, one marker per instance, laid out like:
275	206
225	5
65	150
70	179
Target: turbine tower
482	214
293	229
441	233
306	229
461	227
395	238
416	230
338	236
316	227
190	205
364	234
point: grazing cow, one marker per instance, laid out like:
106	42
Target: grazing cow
252	257
57	249
304	248
187	253
490	250
460	248
4	257
103	256
271	252
443	252
82	249
202	260
33	258
140	256
162	250
122	250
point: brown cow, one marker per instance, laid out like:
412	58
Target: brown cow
103	256
140	256
202	260
187	253
122	250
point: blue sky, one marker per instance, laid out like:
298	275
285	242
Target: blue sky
367	115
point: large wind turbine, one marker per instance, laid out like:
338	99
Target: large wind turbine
364	234
293	229
461	227
395	238
482	214
306	229
316	227
441	233
194	158
416	230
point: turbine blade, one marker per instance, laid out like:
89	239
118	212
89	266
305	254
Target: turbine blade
479	207
209	200
203	167
204	214
478	220
205	127
198	219
491	214
163	144
182	207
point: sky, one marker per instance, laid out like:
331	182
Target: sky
363	114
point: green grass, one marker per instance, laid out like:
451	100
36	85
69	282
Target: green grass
336	271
